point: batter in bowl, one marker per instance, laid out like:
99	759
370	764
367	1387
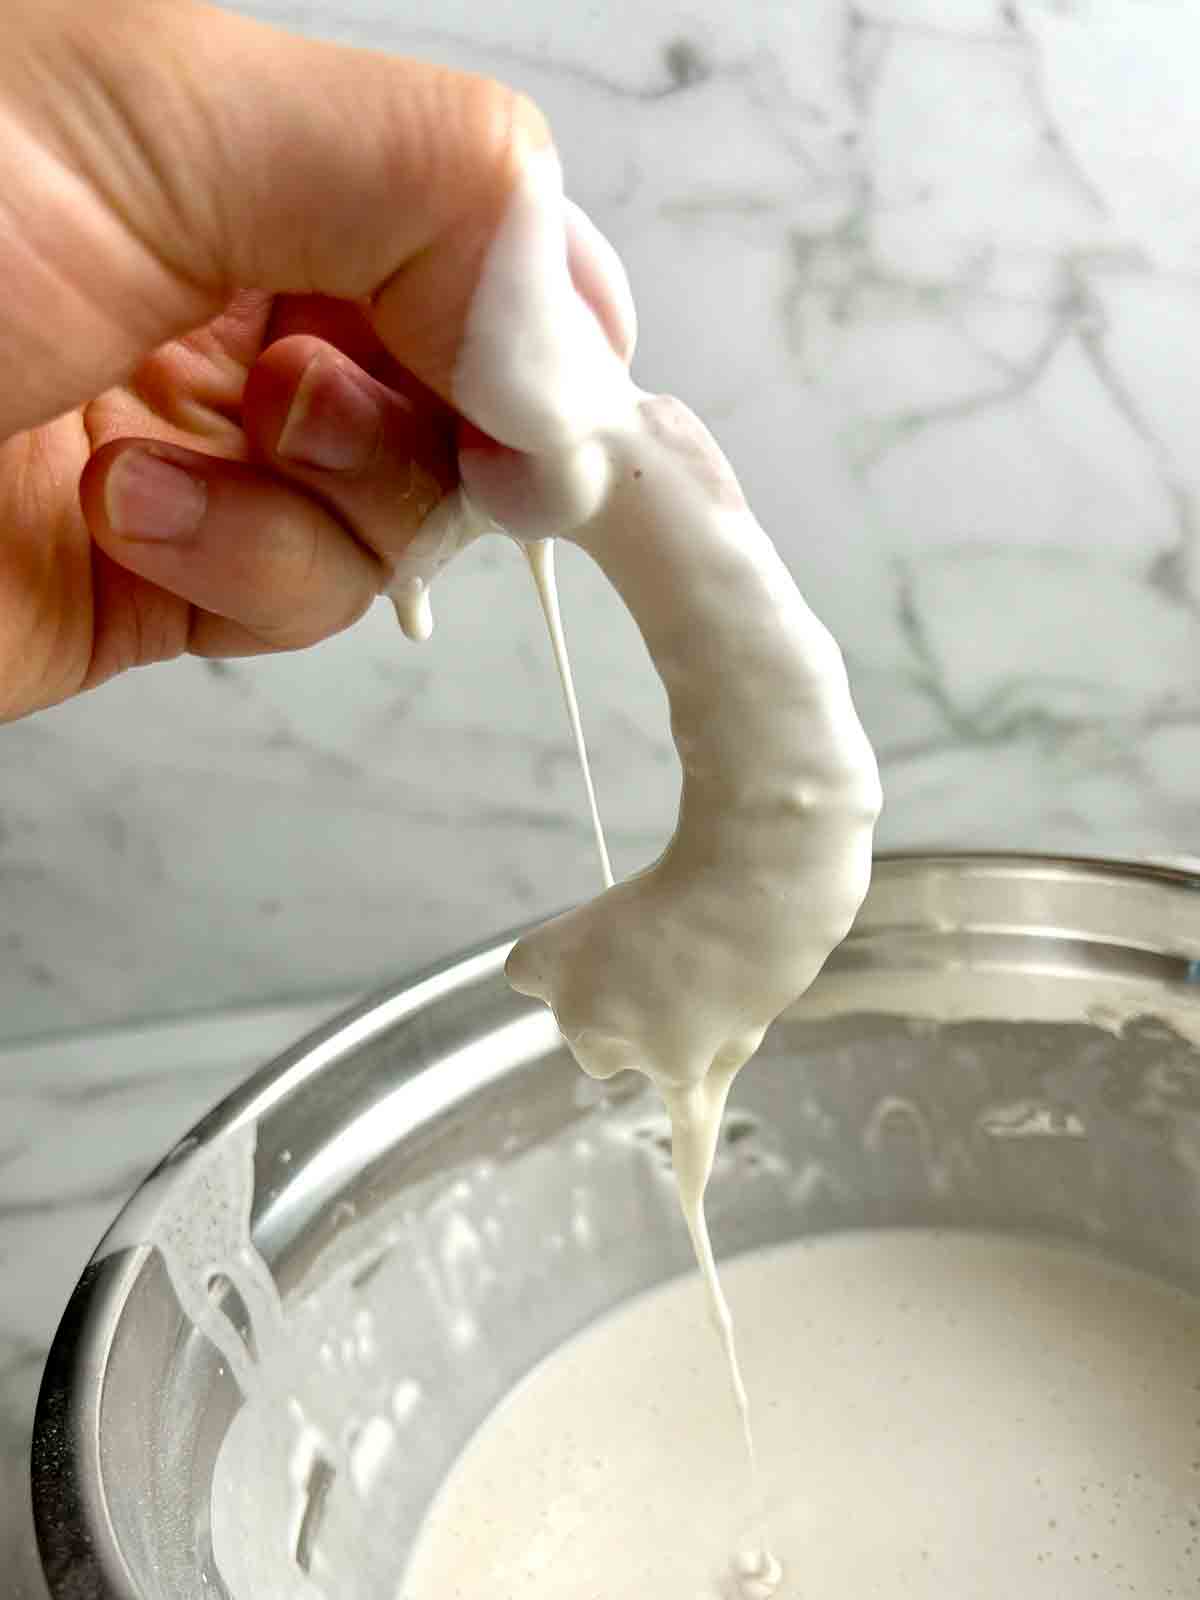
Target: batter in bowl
955	1415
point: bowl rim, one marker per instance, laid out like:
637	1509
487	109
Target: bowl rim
78	1546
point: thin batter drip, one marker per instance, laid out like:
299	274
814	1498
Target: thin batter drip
757	1566
540	555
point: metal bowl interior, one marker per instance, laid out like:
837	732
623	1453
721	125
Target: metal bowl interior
1003	1042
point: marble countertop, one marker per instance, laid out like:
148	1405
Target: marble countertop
931	270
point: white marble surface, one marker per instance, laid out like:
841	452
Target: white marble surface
931	269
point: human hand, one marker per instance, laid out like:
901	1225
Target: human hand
238	266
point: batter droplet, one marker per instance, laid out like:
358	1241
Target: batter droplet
757	1575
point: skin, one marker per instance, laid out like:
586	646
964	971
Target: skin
207	225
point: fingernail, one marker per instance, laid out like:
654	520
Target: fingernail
149	498
333	423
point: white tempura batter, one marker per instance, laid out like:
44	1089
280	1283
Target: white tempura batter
678	971
955	1415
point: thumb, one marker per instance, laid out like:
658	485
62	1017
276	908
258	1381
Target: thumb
168	153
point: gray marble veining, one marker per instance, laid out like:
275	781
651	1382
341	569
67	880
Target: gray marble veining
932	272
931	269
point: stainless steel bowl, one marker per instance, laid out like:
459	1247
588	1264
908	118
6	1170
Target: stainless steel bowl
1003	1042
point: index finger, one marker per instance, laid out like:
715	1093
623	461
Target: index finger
206	152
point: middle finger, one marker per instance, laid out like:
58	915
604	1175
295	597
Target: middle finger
380	459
